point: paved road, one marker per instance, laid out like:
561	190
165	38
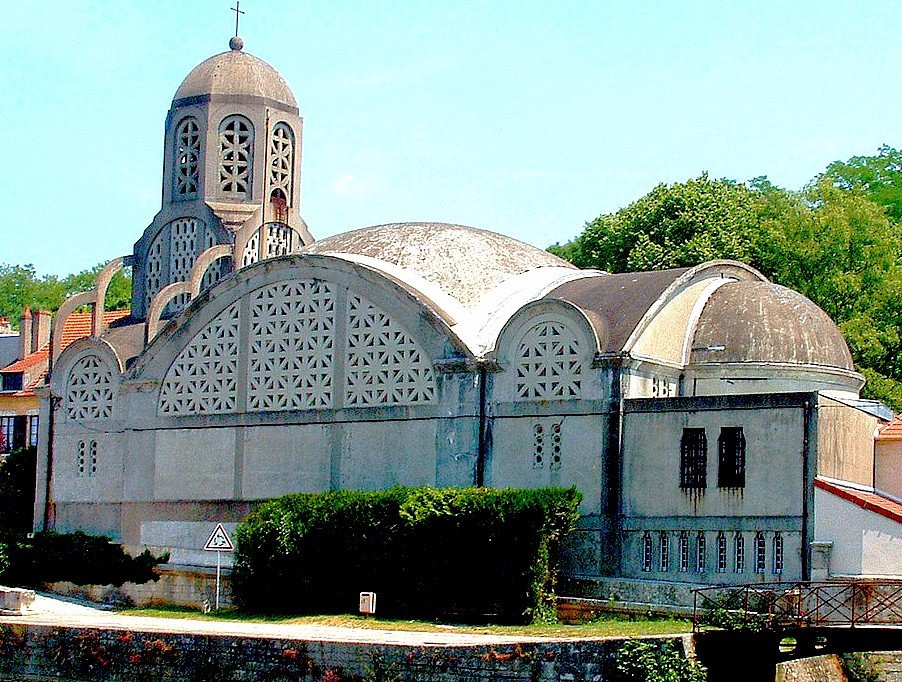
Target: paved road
49	610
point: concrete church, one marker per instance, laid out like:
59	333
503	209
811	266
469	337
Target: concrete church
703	412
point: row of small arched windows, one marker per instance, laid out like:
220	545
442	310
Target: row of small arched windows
696	561
236	159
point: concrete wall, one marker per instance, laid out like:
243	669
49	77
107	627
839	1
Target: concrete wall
771	501
845	442
864	543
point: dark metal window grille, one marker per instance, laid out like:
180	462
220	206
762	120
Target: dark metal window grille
731	464
694	459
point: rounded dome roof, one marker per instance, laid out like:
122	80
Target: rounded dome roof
463	261
763	322
236	73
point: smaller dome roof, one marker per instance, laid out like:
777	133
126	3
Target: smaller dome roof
236	73
764	322
464	261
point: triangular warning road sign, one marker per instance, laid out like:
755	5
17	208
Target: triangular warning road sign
219	540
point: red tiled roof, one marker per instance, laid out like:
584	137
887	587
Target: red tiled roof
869	501
77	326
891	431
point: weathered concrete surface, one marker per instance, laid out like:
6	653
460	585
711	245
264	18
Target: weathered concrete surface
15	600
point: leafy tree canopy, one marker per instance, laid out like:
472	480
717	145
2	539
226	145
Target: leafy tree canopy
20	286
838	241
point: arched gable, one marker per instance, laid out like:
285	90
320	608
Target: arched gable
299	333
545	352
86	377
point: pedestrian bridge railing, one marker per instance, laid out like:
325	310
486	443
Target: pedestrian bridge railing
835	603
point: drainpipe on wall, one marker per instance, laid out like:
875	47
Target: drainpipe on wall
481	452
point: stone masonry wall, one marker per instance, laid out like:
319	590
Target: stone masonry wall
43	653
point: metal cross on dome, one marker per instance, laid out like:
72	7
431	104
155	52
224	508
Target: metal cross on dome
236	9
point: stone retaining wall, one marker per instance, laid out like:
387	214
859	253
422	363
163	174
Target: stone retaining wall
814	669
63	654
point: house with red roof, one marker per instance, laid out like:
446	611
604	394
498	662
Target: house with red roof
19	405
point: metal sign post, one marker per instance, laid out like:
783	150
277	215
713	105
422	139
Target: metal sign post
219	542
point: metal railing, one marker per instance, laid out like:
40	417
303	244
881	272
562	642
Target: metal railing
838	603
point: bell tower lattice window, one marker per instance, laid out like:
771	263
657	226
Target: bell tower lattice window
89	390
549	363
236	156
187	159
281	160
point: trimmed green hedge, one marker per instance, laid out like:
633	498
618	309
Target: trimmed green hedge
456	553
75	557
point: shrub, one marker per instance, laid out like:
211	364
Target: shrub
460	553
650	661
858	668
75	557
17	476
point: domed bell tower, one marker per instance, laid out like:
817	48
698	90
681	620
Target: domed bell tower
231	176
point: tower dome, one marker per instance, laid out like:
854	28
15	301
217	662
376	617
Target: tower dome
236	73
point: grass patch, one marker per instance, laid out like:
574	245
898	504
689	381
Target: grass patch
613	625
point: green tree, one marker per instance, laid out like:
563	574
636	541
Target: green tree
20	286
834	241
879	176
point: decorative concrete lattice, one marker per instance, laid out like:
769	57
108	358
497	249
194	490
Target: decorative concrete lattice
549	365
203	378
187	156
236	135
153	269
89	389
251	250
281	158
278	240
183	241
384	366
292	338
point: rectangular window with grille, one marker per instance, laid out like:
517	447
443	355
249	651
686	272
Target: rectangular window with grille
731	458
694	459
6	434
33	431
646	552
739	553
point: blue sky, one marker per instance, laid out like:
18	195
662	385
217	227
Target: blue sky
528	118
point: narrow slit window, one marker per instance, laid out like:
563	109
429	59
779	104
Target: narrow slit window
683	550
760	553
538	446
739	553
731	458
664	548
778	554
646	552
693	459
721	552
701	553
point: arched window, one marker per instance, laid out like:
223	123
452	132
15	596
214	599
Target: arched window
236	155
549	363
281	161
279	205
89	390
187	157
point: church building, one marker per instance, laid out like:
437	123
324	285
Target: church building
696	409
